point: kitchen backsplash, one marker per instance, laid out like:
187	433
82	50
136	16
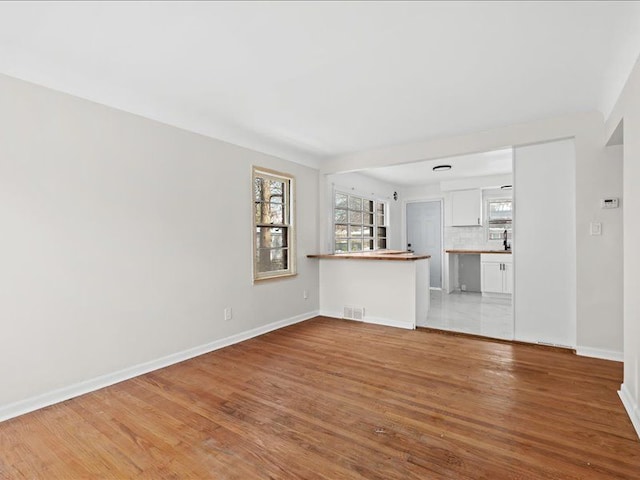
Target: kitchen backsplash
469	238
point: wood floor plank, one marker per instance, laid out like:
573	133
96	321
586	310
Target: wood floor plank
335	399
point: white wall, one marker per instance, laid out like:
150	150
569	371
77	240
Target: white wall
601	308
627	109
545	243
362	185
122	241
588	131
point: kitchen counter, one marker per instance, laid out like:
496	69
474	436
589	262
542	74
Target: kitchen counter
394	255
391	290
477	252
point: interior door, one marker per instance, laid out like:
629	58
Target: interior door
424	234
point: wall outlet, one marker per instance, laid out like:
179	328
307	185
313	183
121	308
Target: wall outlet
228	313
305	294
595	228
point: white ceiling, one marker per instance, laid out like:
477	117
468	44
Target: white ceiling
497	162
312	80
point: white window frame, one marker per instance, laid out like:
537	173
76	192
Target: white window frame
288	225
376	201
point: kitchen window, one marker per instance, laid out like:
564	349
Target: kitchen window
273	233
359	223
500	216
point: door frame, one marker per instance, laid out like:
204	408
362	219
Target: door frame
436	198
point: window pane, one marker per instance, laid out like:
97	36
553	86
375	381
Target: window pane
380	219
341	200
382	243
355	245
268	237
273	188
355	217
367	219
367	231
382	231
270	213
368	206
497	232
258	212
355	230
500	210
341	231
380	208
341	246
340	216
271	259
257	188
265	189
355	203
367	244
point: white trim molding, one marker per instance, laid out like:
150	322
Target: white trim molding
633	410
387	322
65	393
599	353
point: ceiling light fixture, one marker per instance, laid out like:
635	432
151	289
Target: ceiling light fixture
506	187
441	168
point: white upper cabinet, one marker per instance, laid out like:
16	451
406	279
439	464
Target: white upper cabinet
466	208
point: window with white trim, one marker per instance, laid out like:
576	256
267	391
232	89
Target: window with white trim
500	216
273	234
359	223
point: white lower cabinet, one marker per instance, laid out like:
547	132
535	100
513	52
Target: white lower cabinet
496	273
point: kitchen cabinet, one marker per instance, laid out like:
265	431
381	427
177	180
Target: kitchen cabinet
496	273
466	208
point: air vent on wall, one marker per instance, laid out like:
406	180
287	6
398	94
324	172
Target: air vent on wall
353	313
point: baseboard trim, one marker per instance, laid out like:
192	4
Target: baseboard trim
390	323
599	353
374	320
60	395
633	410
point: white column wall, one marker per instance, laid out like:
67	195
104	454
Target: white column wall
545	243
627	110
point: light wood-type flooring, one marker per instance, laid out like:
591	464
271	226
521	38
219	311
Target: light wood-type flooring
335	399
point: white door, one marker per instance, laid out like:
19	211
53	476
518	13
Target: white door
424	234
544	244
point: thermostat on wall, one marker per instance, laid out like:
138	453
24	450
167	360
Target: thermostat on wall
609	203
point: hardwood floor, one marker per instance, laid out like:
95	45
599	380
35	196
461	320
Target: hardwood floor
335	399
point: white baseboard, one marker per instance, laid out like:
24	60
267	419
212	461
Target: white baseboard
391	323
59	395
599	353
375	320
633	410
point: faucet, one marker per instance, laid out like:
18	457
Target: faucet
505	241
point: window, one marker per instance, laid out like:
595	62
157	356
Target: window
359	224
499	214
273	242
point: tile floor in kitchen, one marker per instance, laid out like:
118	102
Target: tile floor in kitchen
470	312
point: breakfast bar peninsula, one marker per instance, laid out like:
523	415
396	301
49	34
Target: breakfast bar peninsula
387	287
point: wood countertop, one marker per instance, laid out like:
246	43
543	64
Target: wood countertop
478	252
396	255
